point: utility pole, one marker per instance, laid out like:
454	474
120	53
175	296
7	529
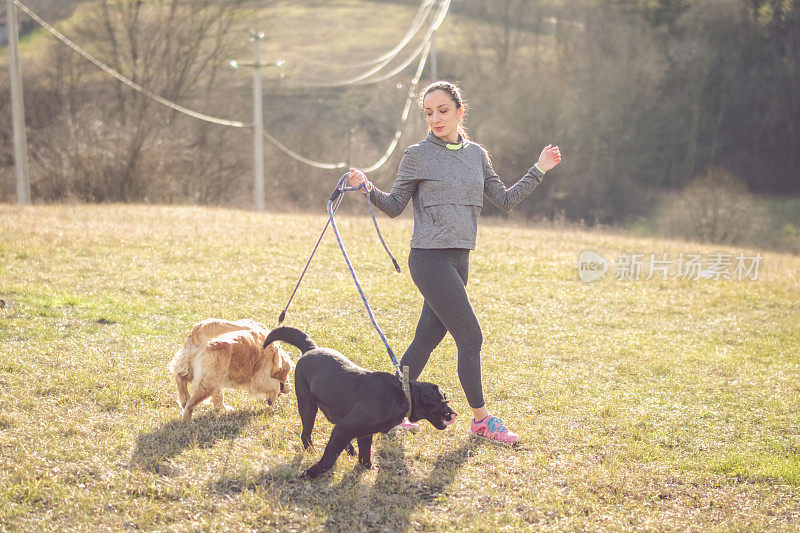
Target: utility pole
17	108
434	67
258	123
258	117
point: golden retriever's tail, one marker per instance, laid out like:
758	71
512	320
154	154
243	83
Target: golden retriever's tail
293	336
179	365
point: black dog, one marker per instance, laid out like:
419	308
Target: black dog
359	403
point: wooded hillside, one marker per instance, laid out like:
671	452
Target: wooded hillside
644	97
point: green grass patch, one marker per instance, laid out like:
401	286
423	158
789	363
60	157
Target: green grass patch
760	468
661	404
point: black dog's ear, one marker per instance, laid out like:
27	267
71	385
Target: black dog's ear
432	395
441	392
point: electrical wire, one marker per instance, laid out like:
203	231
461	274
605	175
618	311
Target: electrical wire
288	151
368	76
419	19
392	144
424	45
422	51
412	94
130	83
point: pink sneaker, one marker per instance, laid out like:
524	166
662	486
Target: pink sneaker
492	428
407	425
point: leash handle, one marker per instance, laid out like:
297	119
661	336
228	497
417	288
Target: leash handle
340	190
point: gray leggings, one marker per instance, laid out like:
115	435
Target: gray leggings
441	276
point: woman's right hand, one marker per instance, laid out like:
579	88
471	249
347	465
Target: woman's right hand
549	158
356	178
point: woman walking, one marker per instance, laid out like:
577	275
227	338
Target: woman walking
446	176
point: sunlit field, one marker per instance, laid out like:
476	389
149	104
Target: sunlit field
641	404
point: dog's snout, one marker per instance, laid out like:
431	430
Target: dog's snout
449	419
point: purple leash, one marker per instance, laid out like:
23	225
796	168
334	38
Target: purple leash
333	204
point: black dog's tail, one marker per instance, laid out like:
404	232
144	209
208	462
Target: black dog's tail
293	336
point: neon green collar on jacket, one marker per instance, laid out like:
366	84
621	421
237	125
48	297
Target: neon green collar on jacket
441	142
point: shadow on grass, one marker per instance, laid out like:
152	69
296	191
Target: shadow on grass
351	504
397	493
154	449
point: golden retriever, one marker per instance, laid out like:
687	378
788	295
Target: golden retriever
221	353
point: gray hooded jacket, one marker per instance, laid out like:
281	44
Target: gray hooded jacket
447	187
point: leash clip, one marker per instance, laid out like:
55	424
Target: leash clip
406	389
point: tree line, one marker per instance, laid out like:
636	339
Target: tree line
643	96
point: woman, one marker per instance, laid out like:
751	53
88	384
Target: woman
446	176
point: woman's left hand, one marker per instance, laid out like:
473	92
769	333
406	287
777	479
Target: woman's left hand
549	158
356	178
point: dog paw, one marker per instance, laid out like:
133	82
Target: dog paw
312	472
365	463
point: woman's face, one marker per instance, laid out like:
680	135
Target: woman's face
442	115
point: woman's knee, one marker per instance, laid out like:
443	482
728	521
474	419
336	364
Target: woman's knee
470	342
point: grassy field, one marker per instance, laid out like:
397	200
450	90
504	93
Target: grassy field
642	405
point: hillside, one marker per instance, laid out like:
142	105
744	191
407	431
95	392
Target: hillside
646	99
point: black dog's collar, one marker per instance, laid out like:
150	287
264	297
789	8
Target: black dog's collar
406	389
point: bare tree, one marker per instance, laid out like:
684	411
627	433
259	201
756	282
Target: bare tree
174	49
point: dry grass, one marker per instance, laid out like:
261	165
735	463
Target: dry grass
642	405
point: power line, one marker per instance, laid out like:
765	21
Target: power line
368	76
424	45
392	144
130	83
422	50
412	94
288	151
422	14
